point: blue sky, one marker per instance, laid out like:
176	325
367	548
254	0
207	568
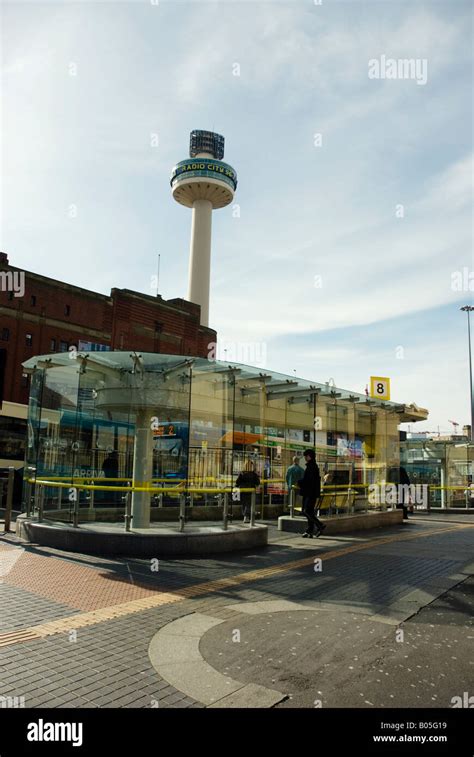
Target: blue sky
85	85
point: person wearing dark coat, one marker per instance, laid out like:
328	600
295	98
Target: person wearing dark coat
247	479
110	469
310	488
110	466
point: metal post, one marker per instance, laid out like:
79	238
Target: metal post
75	512
292	501
27	494
8	508
468	309
128	510
31	502
252	508
182	511
225	517
40	502
30	492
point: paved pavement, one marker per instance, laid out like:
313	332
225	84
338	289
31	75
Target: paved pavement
384	620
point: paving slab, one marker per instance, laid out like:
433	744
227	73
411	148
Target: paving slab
251	696
199	680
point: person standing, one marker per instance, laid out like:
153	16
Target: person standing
247	479
310	487
294	473
110	469
110	466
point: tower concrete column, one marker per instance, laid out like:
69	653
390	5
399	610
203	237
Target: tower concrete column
142	469
204	183
200	257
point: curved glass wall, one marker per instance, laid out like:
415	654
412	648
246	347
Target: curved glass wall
105	424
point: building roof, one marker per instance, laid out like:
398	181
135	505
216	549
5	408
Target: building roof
249	378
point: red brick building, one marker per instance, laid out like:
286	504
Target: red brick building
39	315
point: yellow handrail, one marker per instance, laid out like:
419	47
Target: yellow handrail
132	488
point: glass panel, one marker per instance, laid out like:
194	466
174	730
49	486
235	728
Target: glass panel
110	418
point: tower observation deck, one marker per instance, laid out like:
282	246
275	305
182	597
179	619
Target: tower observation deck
204	183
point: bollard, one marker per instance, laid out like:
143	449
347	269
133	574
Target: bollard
182	511
252	509
8	507
292	502
160	500
128	510
225	517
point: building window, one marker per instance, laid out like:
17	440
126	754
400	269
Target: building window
52	346
33	299
67	310
29	340
5	334
12	438
63	346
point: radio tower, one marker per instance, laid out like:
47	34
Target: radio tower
203	183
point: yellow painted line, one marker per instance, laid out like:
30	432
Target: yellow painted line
84	619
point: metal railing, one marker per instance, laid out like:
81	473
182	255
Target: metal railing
340	499
335	499
39	486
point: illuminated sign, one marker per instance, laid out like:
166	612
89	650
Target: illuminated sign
211	168
167	429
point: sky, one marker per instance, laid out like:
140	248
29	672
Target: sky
348	250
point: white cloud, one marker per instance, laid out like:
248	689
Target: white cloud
167	69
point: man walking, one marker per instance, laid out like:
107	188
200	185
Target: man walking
310	487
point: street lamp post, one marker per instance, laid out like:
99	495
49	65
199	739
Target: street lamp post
467	309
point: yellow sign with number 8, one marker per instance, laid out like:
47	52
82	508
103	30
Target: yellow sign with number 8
380	387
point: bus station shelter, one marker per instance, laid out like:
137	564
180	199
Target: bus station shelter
115	430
